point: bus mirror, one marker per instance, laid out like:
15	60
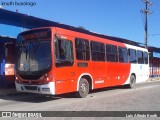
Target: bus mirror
57	37
55	40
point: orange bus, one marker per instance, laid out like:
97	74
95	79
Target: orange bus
57	60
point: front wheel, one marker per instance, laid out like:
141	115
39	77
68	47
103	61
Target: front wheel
83	88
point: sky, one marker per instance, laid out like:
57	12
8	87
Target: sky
119	18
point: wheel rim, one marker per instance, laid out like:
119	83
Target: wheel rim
132	81
83	88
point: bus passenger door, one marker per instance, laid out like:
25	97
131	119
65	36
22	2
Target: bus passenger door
64	65
99	64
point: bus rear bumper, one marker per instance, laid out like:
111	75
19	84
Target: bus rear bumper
40	89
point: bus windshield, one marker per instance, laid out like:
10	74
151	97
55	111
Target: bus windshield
33	57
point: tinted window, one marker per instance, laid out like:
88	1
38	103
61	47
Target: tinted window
111	53
98	51
123	54
132	56
63	52
145	57
140	57
82	49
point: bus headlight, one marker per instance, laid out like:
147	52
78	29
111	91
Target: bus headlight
47	78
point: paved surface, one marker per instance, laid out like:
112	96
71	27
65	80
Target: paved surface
5	92
144	97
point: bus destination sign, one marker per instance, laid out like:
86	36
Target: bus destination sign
36	34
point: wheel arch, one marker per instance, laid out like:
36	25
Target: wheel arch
88	77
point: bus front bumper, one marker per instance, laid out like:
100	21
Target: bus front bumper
40	89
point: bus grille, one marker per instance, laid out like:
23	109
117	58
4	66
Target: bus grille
31	77
30	87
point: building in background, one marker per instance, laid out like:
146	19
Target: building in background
154	61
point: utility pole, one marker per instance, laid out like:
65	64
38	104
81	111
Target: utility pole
147	12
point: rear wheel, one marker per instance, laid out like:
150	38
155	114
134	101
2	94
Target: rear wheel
132	82
83	88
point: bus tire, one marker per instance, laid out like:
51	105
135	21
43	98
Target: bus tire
132	82
83	88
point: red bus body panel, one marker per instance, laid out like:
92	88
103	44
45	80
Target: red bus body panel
108	73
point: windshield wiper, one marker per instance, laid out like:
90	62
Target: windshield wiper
23	49
35	48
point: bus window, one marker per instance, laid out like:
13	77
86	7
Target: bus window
145	57
123	54
111	53
98	51
132	56
82	49
140	57
63	52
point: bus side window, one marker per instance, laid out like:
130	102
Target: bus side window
98	51
82	49
132	56
111	53
63	52
140	57
145	57
123	54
